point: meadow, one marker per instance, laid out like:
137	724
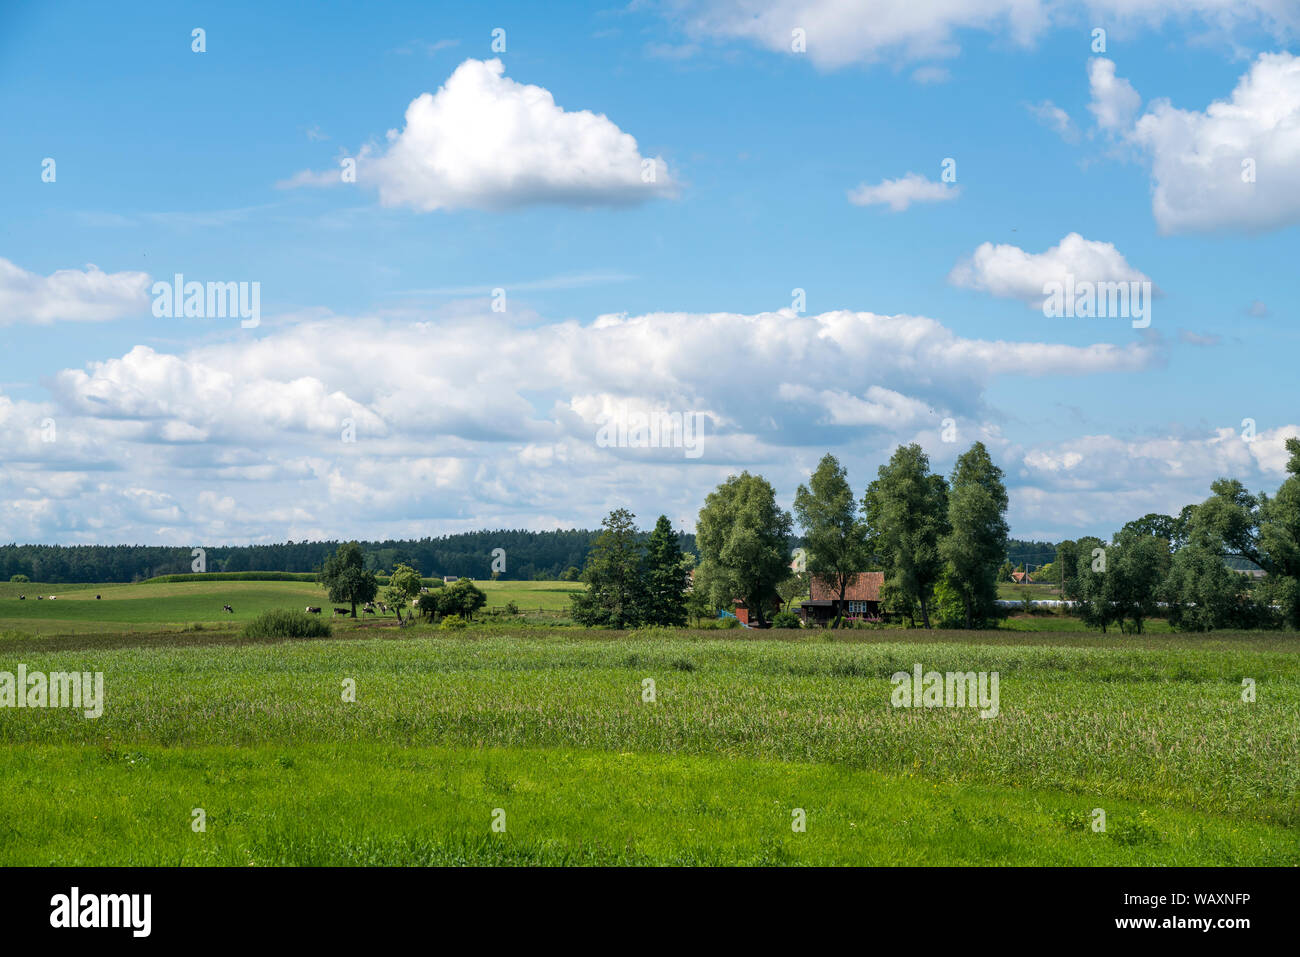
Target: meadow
546	729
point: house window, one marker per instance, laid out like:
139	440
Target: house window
857	608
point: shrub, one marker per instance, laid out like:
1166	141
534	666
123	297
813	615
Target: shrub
786	619
286	624
453	623
20	579
512	608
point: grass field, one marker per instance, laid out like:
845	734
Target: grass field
550	727
152	605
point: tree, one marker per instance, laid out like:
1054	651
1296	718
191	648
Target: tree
1279	540
1123	581
345	577
798	586
1094	589
1202	592
403	585
1164	527
977	536
744	538
615	595
1140	570
907	513
1067	569
836	538
462	597
666	577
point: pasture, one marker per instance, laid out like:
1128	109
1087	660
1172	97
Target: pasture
146	606
550	728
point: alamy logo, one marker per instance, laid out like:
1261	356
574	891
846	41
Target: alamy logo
179	299
658	429
59	689
103	910
1103	300
955	689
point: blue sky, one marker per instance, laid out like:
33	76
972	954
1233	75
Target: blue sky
376	306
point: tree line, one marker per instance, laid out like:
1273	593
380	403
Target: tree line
939	542
1187	567
529	556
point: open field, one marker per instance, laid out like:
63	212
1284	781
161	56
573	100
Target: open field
550	726
152	605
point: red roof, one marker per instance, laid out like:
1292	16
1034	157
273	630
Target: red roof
864	586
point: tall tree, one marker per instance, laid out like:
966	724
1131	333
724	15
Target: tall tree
666	577
615	595
1067	569
403	585
744	542
836	538
345	577
907	512
977	538
1279	540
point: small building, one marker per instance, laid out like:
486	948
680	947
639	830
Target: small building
861	599
1021	578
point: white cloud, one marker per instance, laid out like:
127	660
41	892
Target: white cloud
1103	479
1055	119
1010	272
898	194
1114	101
89	295
840	32
1237	164
485	141
476	421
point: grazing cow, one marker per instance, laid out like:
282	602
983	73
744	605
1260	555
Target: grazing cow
383	608
312	611
40	598
54	598
228	608
369	609
96	598
342	611
22	597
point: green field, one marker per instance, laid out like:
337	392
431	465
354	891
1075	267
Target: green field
548	724
148	606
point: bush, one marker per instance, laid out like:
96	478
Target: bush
786	619
20	579
453	623
512	608
286	624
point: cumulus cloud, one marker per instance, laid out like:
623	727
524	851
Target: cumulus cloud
485	141
1010	272
840	32
898	194
1235	165
1114	102
475	420
1099	479
73	295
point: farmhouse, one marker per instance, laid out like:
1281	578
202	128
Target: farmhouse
861	598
